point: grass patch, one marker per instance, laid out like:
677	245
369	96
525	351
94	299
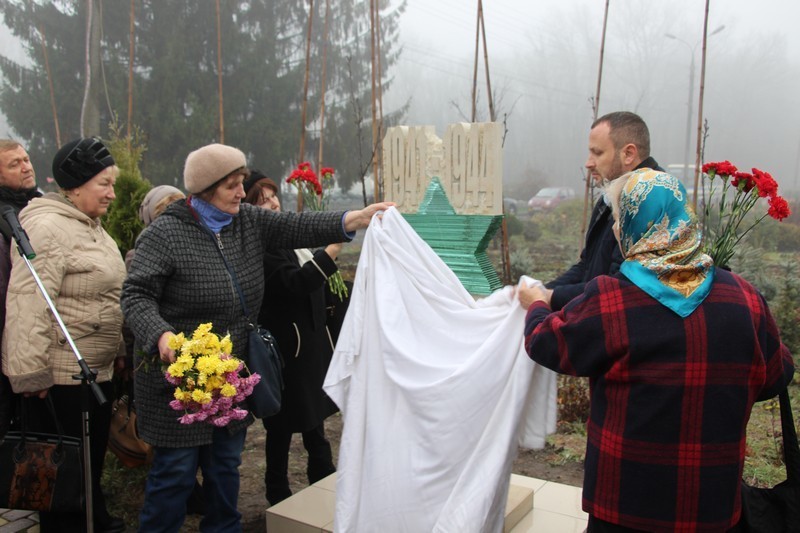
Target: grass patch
763	464
124	489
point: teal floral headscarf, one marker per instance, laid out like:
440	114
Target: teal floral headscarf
661	241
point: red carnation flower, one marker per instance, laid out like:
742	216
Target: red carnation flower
746	180
721	168
767	186
294	176
316	185
311	191
725	221
778	208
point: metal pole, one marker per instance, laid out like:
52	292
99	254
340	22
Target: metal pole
690	104
86	439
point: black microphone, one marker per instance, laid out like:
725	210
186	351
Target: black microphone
19	234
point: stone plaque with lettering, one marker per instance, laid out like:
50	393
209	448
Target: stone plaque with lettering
468	161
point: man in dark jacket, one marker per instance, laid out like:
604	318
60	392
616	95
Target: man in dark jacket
619	142
17	187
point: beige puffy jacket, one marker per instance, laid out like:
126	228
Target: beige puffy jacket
81	268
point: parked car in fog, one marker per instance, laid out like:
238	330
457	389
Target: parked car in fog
549	198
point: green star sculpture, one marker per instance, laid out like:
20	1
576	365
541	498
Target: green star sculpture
460	240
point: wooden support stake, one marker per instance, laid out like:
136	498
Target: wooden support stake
595	110
219	79
50	85
301	155
699	155
322	84
130	72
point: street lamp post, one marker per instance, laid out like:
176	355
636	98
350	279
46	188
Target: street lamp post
690	103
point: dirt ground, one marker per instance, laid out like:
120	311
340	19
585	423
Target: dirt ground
548	464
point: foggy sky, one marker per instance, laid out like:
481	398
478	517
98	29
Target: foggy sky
544	58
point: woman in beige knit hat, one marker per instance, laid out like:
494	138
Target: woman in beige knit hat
178	280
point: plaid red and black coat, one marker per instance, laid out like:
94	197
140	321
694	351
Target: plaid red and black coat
670	396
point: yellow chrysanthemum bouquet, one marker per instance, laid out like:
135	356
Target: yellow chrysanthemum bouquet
207	380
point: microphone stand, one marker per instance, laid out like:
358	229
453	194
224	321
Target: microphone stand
87	378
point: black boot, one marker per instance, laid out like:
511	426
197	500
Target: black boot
277	476
320	457
278	490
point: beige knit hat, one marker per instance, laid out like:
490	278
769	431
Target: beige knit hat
209	164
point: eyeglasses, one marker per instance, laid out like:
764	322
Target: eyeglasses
87	159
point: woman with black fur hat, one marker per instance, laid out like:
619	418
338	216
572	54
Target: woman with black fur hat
82	270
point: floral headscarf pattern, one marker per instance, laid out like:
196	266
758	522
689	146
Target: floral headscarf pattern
661	241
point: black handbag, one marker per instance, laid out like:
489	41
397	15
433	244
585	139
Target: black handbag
41	472
776	509
263	357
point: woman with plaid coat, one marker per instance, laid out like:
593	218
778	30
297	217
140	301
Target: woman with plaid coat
677	351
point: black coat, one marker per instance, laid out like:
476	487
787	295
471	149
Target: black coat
600	255
294	309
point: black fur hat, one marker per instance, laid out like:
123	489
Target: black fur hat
79	161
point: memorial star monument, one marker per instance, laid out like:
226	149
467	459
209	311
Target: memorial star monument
451	192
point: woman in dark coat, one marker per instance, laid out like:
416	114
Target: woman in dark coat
294	310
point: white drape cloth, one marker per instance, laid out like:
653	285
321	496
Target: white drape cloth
433	388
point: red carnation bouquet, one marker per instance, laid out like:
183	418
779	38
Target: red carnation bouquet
724	217
313	190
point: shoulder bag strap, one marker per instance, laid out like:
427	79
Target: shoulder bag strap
230	271
791	450
50	407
